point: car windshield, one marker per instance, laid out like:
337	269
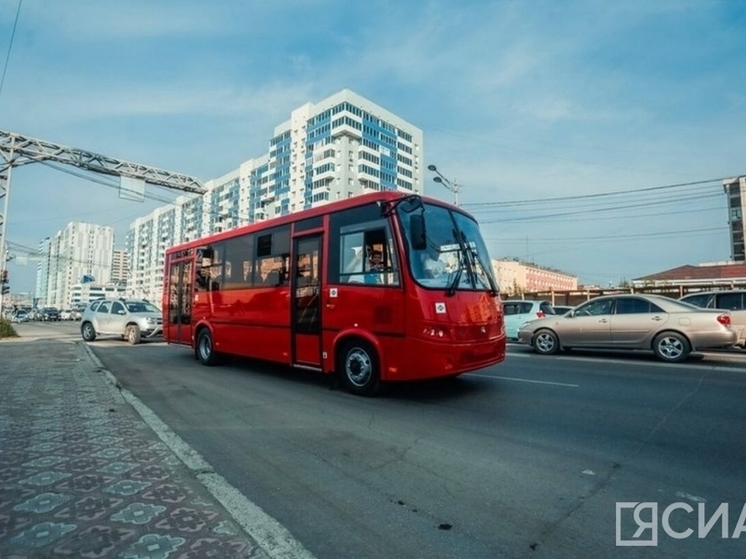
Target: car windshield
455	257
142	307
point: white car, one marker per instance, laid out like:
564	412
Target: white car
133	320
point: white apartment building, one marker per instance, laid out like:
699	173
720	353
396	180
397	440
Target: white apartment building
340	147
120	266
81	252
42	271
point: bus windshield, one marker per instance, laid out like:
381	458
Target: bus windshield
455	256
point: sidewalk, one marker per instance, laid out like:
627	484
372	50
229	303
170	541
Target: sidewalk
83	475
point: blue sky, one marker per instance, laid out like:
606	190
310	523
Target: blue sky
519	102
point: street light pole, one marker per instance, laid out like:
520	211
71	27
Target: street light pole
453	186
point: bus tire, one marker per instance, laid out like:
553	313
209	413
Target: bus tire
358	368
132	334
204	349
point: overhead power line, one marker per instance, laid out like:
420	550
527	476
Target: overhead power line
10	46
590	196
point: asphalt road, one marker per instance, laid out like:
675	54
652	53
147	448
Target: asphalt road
525	459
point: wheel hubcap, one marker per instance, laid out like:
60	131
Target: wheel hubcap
545	342
358	367
671	348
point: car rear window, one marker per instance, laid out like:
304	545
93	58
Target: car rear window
517	308
546	308
730	301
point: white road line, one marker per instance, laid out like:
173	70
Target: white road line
706	365
526	380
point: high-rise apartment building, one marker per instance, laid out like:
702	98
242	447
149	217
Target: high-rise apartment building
120	266
42	270
735	190
340	147
81	252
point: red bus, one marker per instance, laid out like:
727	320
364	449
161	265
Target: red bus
302	289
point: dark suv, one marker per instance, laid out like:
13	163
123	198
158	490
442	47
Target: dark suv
50	313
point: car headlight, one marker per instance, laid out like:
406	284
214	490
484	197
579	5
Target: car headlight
151	320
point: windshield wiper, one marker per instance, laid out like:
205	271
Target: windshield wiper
451	289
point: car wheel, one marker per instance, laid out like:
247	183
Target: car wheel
205	350
357	364
545	342
133	334
88	331
671	347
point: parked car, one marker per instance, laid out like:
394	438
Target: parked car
50	313
20	316
518	311
733	300
132	319
672	329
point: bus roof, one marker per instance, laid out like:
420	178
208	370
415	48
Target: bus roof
306	214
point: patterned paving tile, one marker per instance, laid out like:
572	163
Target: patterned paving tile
95	542
153	546
88	509
83	477
44	502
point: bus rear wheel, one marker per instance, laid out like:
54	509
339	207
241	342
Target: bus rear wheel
205	350
358	368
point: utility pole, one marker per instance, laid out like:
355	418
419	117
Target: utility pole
17	150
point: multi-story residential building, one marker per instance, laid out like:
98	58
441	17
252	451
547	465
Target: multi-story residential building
81	252
42	271
515	278
735	190
120	266
340	147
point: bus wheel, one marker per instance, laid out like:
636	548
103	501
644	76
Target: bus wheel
359	369
205	351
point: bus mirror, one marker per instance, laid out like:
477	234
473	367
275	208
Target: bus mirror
417	233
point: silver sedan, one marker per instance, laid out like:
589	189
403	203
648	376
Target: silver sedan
671	329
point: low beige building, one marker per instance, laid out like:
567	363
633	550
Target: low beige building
515	278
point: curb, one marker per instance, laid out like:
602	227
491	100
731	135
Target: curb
273	538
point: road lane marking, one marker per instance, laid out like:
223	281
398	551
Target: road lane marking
705	365
526	380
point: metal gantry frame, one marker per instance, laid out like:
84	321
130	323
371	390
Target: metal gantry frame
17	150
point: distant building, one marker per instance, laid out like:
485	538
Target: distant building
83	293
42	271
719	273
77	251
340	147
515	277
120	266
735	190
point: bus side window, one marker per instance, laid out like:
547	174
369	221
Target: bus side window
357	254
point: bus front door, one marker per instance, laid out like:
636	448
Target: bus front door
180	293
306	301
